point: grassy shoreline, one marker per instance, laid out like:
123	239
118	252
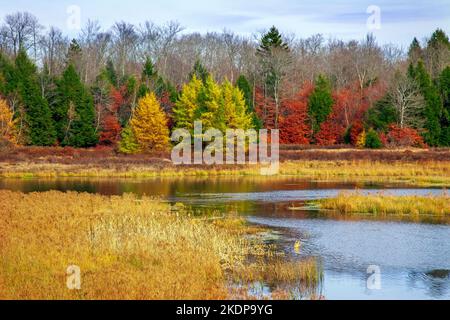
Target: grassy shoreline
385	205
130	248
426	173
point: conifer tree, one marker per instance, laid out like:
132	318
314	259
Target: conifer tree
243	84
433	108
444	87
199	71
236	115
74	112
38	118
149	125
211	110
185	109
320	103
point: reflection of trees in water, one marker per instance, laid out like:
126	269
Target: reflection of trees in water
436	282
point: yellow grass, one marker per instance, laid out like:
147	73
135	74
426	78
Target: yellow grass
430	173
126	248
382	205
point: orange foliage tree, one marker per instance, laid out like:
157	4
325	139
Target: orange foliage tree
294	127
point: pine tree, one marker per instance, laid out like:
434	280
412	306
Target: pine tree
444	87
149	125
199	71
74	112
243	84
415	52
275	58
320	103
38	116
433	109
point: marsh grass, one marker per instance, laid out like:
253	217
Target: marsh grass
126	247
384	205
424	173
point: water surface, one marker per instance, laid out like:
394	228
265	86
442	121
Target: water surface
414	258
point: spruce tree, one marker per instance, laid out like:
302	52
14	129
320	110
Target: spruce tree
320	103
199	71
433	108
74	111
444	87
38	118
243	84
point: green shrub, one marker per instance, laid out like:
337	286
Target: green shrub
373	141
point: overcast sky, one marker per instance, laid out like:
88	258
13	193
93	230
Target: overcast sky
401	20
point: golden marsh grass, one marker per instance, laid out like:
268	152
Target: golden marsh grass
428	173
126	247
383	205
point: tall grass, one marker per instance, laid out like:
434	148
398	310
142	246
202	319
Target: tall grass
382	205
126	248
436	173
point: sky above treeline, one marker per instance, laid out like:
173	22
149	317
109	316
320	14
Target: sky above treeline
399	20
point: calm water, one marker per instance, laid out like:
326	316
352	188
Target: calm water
414	258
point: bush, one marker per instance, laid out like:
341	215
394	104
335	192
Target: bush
404	137
373	141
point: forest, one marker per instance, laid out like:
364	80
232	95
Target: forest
129	86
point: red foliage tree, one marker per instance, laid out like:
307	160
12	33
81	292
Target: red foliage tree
404	137
350	107
356	130
111	129
265	108
294	127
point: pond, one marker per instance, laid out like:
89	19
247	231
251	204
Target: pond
413	259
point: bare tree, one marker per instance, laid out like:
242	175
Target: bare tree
22	30
125	40
54	47
407	100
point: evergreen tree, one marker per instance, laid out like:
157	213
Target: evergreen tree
275	59
320	103
444	87
382	115
149	125
199	71
415	51
111	74
38	116
243	84
272	40
433	109
373	140
74	111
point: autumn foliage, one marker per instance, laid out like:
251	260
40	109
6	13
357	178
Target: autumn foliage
403	137
294	127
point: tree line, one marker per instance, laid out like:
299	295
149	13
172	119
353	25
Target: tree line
130	86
